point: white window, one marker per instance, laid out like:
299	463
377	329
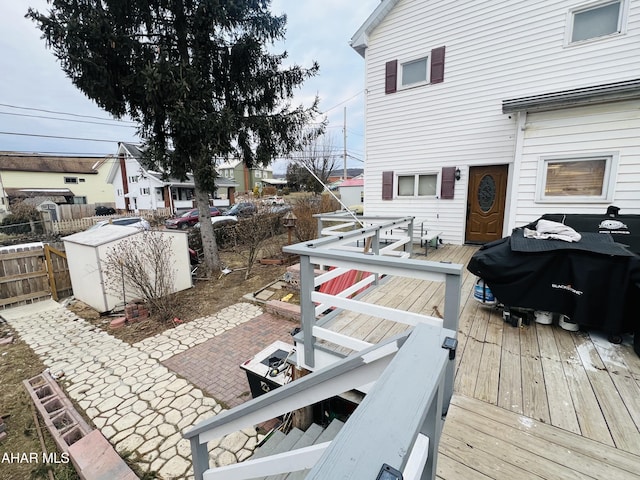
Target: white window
119	192
579	178
414	72
420	185
595	21
70	179
133	178
144	191
258	173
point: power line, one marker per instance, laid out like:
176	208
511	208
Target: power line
59	137
343	102
66	119
64	113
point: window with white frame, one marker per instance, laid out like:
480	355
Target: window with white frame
418	185
119	192
70	179
414	72
133	178
596	20
144	191
258	173
582	178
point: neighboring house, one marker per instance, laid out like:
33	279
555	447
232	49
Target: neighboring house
482	116
352	191
38	178
137	188
246	178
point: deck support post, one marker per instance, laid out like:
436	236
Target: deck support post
307	309
200	457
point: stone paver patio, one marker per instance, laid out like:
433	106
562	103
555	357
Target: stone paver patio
139	405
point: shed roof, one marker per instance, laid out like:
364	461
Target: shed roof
102	235
353	182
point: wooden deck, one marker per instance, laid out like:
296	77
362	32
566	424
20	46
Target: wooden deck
531	402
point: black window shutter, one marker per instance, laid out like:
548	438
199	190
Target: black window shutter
387	185
448	183
391	76
437	65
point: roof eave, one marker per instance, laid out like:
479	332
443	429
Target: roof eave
593	95
360	40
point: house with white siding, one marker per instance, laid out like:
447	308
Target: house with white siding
483	115
138	188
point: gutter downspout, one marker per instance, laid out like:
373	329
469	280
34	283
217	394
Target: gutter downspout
514	184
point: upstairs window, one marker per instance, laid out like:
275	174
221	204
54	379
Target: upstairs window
596	21
414	72
421	71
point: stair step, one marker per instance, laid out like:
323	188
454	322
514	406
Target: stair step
327	435
308	439
285	445
269	445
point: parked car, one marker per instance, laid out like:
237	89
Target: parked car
188	218
221	221
242	209
102	210
137	222
273	200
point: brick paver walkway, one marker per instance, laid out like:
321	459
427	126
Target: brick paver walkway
214	366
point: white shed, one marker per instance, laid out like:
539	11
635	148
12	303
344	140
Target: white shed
87	255
352	191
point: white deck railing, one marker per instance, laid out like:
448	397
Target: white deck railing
409	378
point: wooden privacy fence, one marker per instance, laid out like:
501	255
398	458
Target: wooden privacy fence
65	227
32	272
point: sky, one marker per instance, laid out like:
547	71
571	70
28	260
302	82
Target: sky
42	112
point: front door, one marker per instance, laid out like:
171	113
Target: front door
486	203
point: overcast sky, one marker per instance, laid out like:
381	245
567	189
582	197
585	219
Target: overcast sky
33	87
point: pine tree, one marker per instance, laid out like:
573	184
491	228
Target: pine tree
197	76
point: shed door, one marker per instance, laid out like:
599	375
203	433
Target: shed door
486	203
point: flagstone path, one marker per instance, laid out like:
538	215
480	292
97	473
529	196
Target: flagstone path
140	406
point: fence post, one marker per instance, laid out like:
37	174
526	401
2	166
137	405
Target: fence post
307	308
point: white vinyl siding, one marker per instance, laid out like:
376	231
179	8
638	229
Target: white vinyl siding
596	131
494	51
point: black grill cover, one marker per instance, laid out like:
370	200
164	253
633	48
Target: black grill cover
593	289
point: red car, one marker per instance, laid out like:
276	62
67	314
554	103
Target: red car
188	219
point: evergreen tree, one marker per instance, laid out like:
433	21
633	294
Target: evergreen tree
196	75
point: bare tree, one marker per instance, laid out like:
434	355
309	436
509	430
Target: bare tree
141	266
318	157
249	234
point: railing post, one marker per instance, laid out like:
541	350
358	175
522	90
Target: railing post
452	293
199	457
307	309
319	226
432	428
410	233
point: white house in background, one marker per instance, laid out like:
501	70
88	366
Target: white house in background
482	116
137	188
352	191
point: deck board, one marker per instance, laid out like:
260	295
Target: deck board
529	402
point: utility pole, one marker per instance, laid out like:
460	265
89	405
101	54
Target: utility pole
344	142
